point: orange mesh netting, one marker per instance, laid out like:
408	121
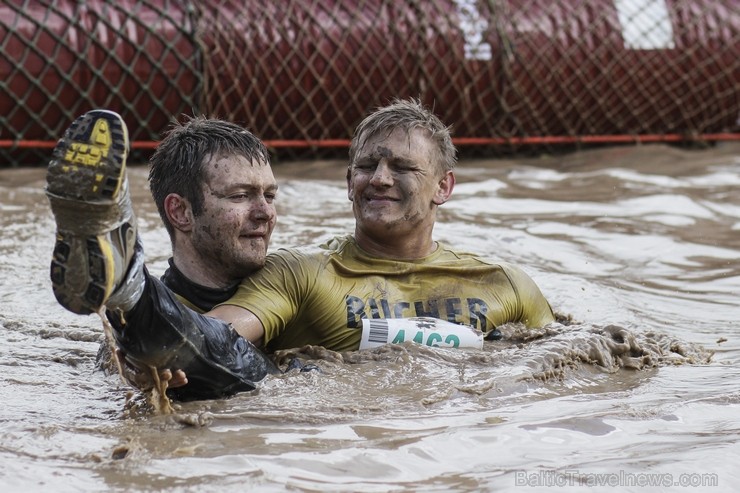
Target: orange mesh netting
304	72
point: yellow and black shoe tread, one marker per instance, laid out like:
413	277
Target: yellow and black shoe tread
88	168
88	162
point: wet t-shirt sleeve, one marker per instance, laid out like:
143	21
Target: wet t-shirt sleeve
534	309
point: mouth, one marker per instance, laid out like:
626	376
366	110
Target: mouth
254	236
381	198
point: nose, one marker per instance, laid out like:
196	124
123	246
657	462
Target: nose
263	210
383	176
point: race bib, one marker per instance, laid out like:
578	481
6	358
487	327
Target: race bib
422	330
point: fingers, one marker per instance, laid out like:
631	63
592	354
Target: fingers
174	379
178	379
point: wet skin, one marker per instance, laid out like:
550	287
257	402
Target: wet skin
395	185
228	239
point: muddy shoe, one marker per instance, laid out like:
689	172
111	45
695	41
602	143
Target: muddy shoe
96	227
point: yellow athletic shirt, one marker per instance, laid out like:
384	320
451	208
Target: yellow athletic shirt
319	295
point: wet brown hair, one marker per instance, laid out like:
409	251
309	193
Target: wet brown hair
406	114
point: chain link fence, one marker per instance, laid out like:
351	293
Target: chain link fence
506	75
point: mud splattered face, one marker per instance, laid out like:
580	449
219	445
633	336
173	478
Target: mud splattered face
233	231
395	184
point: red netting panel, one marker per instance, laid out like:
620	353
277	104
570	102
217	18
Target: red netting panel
59	59
304	72
569	72
309	70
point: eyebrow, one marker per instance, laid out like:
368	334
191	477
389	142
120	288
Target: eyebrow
392	158
241	186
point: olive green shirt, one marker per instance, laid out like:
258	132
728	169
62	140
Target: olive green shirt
319	295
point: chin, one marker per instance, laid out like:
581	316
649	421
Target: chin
246	268
382	222
379	218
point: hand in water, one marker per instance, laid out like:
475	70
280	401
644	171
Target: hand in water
142	380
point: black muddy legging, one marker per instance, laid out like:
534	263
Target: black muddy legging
162	332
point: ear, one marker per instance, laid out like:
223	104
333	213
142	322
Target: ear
444	188
179	213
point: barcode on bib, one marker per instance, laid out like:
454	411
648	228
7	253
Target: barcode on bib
378	331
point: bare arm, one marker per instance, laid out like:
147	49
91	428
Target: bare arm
244	322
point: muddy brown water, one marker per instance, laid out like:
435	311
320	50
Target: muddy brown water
639	246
